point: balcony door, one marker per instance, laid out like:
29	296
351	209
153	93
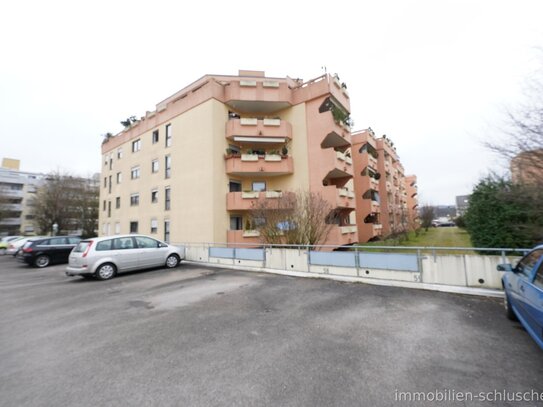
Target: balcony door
234	186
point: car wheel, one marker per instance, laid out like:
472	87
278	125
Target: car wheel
106	271
508	309
172	261
42	261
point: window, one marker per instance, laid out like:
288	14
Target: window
167	198
136	145
146	242
105	182
103	245
538	281
155	137
135	172
134	199
154	226
117	228
109	209
117	202
168	166
110	161
154	166
526	265
119	153
167	231
235	223
154	196
259	186
104	206
109	191
119	177
104	229
234	186
123	243
133	227
168	135
56	241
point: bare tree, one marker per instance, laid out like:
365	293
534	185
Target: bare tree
427	216
522	145
67	201
293	218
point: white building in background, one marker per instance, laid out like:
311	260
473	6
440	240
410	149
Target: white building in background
17	191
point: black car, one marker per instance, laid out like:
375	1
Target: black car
48	250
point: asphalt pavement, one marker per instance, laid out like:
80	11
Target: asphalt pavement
197	336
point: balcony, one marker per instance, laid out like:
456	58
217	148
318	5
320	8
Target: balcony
323	85
10	221
257	165
249	130
337	136
344	157
342	235
245	201
11	193
258	95
348	229
338	168
243	238
338	197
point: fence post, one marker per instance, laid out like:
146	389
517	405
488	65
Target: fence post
357	261
308	259
419	262
503	256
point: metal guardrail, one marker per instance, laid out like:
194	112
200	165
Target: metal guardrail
248	251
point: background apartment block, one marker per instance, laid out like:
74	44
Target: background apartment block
17	192
192	170
386	198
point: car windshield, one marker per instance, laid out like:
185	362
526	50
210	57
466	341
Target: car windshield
81	247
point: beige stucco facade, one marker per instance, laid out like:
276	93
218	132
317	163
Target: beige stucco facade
231	136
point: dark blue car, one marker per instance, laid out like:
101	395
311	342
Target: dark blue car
523	286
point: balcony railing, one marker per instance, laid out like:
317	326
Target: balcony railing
338	197
244	201
272	95
256	165
348	229
342	235
344	157
258	131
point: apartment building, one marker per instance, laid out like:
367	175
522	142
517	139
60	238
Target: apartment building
17	191
193	169
527	167
412	190
384	205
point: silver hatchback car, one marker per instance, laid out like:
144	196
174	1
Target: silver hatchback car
104	257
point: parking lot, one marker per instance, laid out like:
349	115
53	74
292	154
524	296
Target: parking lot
197	336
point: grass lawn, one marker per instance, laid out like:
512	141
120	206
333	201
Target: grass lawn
435	237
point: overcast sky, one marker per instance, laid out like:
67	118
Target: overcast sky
434	76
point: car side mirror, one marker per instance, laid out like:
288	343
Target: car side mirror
162	245
504	267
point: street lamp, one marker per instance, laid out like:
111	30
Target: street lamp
55	229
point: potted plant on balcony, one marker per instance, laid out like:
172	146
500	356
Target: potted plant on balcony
230	152
284	151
